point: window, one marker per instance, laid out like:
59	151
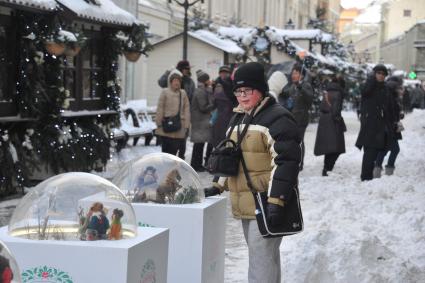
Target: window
407	13
8	65
83	75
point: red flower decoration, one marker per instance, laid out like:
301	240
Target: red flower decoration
7	275
45	274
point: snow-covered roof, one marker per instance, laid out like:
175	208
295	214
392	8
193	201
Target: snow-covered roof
237	34
106	11
37	4
234	33
302	33
213	39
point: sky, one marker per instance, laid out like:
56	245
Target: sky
355	3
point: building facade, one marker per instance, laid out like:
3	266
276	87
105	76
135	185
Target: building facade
407	52
399	16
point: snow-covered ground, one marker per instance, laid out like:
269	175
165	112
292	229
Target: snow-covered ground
354	231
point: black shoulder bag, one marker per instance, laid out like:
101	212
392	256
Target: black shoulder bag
225	158
292	211
173	123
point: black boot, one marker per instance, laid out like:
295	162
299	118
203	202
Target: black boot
324	172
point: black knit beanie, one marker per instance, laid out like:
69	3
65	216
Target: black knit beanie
382	68
251	75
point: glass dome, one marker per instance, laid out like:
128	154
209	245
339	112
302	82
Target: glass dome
9	270
74	206
159	178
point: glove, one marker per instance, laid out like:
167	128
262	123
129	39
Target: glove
274	214
212	191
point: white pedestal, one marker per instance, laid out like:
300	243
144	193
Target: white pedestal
197	234
140	259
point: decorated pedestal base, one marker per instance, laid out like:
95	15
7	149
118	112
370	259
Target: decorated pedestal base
197	233
139	259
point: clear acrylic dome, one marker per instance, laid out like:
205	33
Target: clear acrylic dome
9	270
159	178
74	206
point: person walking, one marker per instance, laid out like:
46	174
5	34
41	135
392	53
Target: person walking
173	102
330	131
395	87
417	96
375	121
297	97
271	151
201	108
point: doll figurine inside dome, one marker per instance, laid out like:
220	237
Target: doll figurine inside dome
159	178
9	270
148	179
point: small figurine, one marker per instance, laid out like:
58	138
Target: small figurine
6	274
115	232
167	189
98	224
149	178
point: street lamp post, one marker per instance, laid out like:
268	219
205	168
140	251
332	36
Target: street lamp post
186	5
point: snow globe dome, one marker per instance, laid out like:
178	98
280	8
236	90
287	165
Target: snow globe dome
74	206
9	270
159	178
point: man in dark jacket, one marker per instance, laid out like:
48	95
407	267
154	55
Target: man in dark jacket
189	86
376	120
187	83
297	97
272	154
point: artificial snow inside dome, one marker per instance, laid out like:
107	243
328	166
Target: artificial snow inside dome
74	206
159	178
9	270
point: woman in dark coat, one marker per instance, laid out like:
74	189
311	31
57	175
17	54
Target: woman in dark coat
202	105
330	131
395	87
224	101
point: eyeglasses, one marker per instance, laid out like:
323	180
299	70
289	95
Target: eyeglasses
245	92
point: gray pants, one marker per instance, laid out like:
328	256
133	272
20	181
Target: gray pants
264	254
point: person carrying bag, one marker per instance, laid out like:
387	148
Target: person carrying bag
173	123
173	116
263	183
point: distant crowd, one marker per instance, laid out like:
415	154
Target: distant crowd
205	110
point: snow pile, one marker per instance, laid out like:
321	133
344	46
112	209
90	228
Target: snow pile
139	106
226	45
361	231
106	11
41	4
65	36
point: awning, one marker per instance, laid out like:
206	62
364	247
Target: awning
104	11
44	5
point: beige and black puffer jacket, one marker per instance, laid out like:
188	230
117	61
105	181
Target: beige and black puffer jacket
272	153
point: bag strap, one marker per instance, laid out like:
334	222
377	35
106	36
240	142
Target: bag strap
180	102
247	177
241	135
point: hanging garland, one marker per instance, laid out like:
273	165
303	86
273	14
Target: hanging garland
61	144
